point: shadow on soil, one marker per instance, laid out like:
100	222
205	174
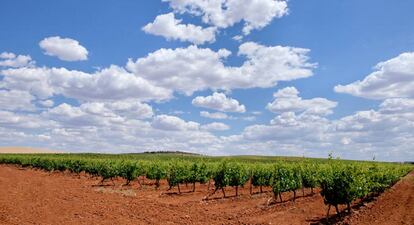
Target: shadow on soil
338	218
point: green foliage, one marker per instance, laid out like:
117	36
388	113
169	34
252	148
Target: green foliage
198	173
129	170
286	178
309	172
76	165
341	184
261	175
220	175
155	170
340	181
230	174
237	174
107	169
178	172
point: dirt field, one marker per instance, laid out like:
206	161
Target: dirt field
396	206
35	197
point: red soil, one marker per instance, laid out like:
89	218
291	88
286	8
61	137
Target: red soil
30	196
395	206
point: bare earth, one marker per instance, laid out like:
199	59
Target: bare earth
396	206
30	196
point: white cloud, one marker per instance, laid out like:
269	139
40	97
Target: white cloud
393	78
163	72
131	109
114	118
92	115
11	121
168	26
237	38
66	49
265	65
47	103
215	126
387	133
99	113
71	116
94	127
220	102
113	83
215	115
287	127
397	105
8	59
33	80
183	69
7	55
16	100
191	69
173	123
288	100
388	136
225	13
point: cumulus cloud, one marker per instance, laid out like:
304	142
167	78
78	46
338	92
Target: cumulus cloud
16	100
111	113
98	113
237	38
373	132
225	13
287	127
191	69
393	78
131	109
66	49
220	102
173	123
47	103
104	127
163	72
382	133
23	123
215	126
183	69
269	64
215	115
7	55
397	105
113	83
288	100
168	26
386	132
72	116
8	59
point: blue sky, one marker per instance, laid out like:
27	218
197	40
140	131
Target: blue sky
345	40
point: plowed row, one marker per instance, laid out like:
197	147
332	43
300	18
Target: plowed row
30	196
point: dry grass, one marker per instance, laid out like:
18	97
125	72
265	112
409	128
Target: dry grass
25	150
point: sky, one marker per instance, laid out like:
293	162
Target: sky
217	77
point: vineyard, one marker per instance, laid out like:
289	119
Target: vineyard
339	182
